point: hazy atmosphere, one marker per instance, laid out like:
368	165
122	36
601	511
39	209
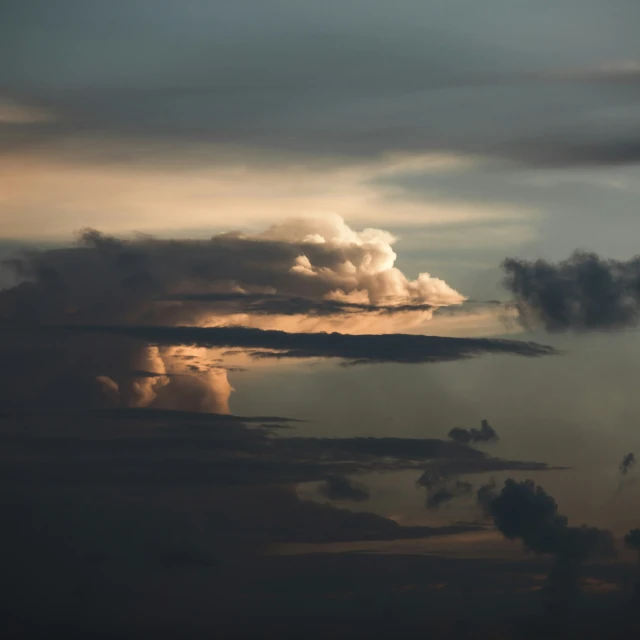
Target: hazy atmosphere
320	318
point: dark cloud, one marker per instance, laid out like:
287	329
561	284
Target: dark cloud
356	349
524	511
273	304
583	293
145	488
628	462
408	449
486	433
166	448
341	488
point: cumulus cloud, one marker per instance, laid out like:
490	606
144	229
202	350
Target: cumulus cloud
486	433
583	293
523	511
304	275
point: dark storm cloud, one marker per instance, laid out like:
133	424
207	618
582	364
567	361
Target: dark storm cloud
341	488
524	511
583	293
486	433
356	349
324	80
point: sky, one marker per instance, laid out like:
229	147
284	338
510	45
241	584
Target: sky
269	266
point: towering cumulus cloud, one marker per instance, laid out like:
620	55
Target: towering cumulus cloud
583	293
262	295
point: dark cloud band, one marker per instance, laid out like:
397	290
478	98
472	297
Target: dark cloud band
356	349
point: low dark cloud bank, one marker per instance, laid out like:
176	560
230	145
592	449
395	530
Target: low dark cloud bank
583	293
233	478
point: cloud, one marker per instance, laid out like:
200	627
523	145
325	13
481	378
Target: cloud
341	488
190	448
274	304
486	433
356	349
582	293
322	83
229	472
317	258
524	511
301	275
437	498
628	462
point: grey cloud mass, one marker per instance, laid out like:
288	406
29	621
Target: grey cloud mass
524	511
583	293
326	81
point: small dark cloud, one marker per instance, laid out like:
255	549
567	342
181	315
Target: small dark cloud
486	433
341	488
356	349
583	293
628	462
